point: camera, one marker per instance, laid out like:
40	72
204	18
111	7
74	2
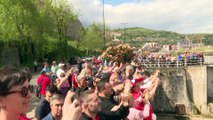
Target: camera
89	78
90	81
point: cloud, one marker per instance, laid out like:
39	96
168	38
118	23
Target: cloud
182	16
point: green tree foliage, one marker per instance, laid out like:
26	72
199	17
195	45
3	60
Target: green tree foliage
38	28
91	39
62	15
17	18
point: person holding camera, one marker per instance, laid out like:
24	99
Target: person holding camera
72	107
106	95
92	108
141	101
62	83
82	83
73	78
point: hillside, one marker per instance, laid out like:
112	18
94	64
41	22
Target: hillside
137	36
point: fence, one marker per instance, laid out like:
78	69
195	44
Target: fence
174	63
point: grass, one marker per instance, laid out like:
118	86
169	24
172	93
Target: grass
205	49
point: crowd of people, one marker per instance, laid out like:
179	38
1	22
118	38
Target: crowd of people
95	90
169	60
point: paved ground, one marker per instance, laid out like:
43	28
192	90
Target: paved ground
34	99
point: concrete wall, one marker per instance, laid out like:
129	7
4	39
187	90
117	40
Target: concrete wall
197	77
172	90
210	83
208	59
186	85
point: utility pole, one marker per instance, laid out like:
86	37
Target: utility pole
104	31
124	27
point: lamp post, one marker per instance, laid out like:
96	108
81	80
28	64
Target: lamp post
104	32
124	26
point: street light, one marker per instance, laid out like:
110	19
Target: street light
124	26
104	34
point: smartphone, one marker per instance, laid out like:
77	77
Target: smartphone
74	97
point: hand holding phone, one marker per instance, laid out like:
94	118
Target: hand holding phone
71	109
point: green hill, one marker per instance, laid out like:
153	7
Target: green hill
137	36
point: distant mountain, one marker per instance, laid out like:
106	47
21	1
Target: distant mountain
137	36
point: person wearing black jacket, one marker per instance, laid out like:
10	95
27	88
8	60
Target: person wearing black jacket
43	107
91	107
107	96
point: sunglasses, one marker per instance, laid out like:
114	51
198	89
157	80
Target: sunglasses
23	91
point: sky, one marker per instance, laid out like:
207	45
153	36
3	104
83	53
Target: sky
181	16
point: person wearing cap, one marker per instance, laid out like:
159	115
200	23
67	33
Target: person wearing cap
134	114
54	69
151	83
44	81
61	70
141	102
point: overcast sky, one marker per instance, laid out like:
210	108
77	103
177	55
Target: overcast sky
182	16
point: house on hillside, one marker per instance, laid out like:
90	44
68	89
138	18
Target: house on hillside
187	43
151	46
169	47
114	36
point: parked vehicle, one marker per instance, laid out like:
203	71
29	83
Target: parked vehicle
73	60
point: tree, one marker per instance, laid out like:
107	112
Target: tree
17	23
36	27
62	15
91	39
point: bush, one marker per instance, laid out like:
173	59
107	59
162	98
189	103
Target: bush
118	53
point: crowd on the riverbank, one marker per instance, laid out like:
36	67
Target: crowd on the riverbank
169	60
109	90
95	89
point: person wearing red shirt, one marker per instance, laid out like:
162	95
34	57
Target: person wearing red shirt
74	77
140	102
44	80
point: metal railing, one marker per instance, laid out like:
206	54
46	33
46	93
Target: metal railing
174	63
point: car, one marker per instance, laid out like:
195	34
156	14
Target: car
73	60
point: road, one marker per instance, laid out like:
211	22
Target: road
34	100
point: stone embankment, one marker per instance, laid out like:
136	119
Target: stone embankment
185	91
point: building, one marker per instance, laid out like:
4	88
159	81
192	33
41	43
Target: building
187	43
